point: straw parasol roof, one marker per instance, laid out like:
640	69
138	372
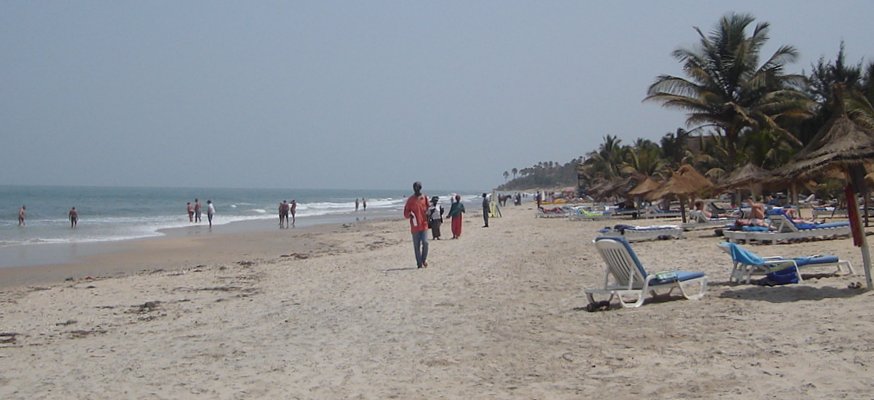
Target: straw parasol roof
683	183
603	189
843	144
648	185
747	175
614	187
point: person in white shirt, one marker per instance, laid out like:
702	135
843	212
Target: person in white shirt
210	211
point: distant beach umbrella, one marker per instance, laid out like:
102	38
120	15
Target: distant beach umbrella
684	183
748	175
648	185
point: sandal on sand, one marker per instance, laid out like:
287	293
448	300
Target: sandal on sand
855	285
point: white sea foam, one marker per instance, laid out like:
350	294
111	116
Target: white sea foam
112	214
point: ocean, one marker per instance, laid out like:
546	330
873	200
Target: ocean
121	213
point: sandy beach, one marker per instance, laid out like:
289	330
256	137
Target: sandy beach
340	311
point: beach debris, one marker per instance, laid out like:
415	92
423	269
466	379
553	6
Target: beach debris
146	307
67	322
7	337
296	256
81	333
245	263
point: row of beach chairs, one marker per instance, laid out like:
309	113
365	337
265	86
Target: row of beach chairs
627	280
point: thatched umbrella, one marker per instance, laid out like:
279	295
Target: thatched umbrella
594	190
844	145
749	175
684	182
648	185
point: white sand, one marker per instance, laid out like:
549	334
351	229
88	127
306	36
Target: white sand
497	314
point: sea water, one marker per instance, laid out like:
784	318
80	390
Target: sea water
121	213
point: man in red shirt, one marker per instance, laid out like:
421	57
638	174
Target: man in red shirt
414	211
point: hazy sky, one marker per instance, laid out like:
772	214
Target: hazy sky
352	94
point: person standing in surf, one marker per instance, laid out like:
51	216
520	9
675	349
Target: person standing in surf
293	210
190	210
22	213
196	210
210	211
415	211
74	217
283	214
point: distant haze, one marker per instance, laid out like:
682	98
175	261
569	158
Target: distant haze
333	94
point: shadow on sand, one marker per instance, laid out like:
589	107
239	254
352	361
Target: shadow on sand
400	269
790	293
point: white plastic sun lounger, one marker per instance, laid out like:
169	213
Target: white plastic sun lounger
641	233
626	277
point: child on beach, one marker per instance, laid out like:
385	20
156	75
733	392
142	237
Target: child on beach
435	218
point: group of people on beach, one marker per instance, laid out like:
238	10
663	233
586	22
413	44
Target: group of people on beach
286	208
195	211
72	214
423	216
363	204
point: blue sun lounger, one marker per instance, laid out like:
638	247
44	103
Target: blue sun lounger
747	263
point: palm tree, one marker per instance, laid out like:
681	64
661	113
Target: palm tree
643	160
506	175
823	80
514	171
607	161
728	90
673	146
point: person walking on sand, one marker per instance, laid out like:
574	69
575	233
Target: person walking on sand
414	211
190	210
210	211
363	204
435	217
485	211
74	217
356	204
197	210
293	210
456	209
22	213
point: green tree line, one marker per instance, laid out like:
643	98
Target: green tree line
740	108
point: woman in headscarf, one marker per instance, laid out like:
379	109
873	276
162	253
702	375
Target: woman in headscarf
455	212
